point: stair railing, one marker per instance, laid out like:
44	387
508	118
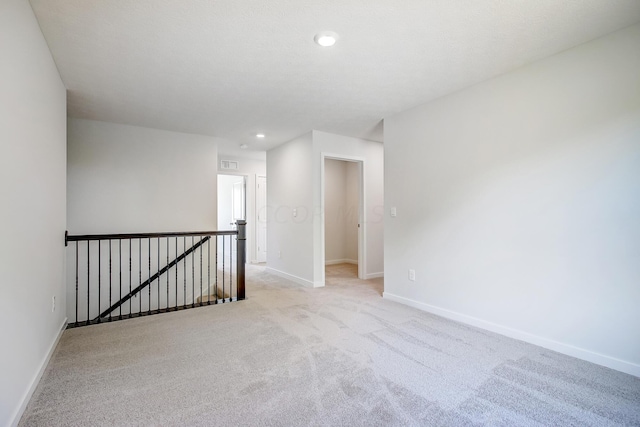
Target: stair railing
121	276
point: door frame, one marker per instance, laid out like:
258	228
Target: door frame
362	213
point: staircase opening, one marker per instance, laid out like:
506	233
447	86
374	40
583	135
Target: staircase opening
121	276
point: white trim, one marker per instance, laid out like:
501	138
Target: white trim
374	275
36	379
299	280
580	353
341	261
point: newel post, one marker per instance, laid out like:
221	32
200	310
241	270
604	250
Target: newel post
241	256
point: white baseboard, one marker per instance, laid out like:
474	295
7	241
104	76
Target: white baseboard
36	379
374	275
296	279
341	261
569	350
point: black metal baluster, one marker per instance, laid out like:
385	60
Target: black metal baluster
76	282
110	281
149	287
158	267
223	271
168	274
231	268
176	239
99	279
120	276
140	275
209	271
130	302
216	265
184	270
88	283
201	271
193	276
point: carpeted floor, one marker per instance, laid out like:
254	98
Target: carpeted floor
339	355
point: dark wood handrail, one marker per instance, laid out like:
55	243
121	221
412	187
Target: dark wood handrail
124	236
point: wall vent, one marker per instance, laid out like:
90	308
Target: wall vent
229	165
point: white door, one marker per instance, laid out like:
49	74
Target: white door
237	202
231	200
261	220
231	205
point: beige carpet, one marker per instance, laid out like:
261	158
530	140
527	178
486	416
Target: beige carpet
339	355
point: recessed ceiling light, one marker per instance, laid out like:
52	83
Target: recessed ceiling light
260	135
326	38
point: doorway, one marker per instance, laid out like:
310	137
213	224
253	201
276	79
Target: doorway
343	209
232	202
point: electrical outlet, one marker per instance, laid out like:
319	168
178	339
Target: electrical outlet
53	304
412	275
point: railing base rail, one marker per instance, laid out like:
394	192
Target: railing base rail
147	313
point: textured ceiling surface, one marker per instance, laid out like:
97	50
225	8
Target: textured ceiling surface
232	68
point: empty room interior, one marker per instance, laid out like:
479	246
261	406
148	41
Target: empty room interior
293	213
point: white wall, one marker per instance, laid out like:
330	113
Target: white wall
125	179
518	203
32	218
295	182
251	168
341	211
290	239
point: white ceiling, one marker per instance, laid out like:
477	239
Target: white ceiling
232	68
